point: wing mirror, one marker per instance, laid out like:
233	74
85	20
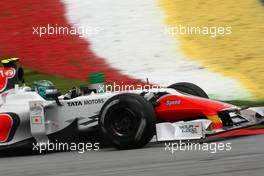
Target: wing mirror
53	94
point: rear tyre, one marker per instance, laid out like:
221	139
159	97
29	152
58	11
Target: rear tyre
189	88
127	121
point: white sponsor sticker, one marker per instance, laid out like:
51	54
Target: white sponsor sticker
179	131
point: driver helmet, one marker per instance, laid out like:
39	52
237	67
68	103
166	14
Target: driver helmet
41	86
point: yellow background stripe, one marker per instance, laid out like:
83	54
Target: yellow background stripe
239	55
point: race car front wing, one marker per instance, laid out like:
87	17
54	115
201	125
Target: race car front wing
202	128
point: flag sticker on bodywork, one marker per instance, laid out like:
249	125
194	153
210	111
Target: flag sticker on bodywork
36	112
36	120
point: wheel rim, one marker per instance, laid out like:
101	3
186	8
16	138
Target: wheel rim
124	121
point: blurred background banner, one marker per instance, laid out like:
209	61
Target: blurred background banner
129	41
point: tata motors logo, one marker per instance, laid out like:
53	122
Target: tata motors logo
173	102
85	102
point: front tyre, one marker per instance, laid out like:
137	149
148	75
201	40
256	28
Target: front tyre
127	121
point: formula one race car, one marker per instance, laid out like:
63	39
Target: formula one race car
126	119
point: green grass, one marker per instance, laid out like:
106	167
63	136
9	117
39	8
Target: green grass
246	103
62	84
257	127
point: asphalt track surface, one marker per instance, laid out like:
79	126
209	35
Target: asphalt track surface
245	158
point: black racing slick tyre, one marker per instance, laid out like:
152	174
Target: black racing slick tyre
189	88
127	121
